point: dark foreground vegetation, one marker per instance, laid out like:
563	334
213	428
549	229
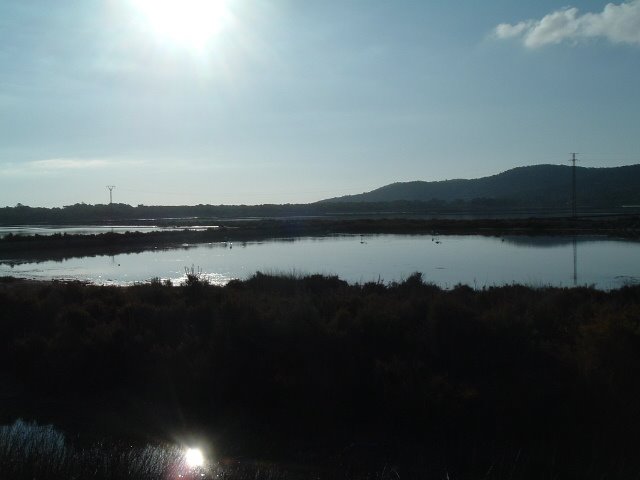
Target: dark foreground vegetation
60	246
359	381
32	451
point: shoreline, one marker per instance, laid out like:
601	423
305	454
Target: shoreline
60	246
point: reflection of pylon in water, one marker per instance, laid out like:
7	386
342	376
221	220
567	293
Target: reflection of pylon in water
575	262
574	214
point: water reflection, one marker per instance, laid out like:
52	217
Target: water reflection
444	260
550	241
575	262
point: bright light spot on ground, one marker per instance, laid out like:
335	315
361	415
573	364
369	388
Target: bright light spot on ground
194	458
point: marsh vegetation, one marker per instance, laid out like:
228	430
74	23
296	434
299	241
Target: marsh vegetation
512	382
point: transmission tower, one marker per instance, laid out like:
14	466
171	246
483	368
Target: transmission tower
574	210
111	187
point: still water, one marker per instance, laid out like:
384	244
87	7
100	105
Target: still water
445	260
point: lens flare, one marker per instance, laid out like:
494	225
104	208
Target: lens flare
194	458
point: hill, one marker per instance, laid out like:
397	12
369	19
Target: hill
532	186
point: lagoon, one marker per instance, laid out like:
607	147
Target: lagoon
474	260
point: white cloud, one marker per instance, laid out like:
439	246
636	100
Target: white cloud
506	30
617	23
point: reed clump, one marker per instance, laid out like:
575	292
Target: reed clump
32	451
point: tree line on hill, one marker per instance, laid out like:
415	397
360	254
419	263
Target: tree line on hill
541	189
192	214
536	185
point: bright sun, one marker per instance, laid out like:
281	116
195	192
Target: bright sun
189	23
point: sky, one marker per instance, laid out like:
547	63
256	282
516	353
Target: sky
181	102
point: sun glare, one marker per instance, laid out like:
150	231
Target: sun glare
190	23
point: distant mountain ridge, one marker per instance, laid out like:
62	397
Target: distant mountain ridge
529	185
538	190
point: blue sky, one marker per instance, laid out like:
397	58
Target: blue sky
278	101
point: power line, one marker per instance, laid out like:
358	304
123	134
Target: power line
111	187
574	209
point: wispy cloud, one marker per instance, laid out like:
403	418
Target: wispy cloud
617	23
68	164
62	165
